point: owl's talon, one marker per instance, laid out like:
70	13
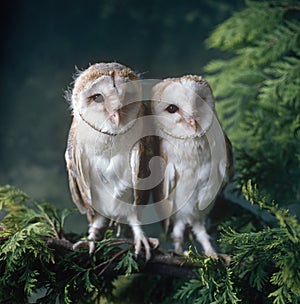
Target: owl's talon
225	257
212	255
153	242
138	245
185	253
81	244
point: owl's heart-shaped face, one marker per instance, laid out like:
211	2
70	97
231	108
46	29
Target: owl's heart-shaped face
183	107
108	100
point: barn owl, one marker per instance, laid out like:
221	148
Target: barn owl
197	154
105	108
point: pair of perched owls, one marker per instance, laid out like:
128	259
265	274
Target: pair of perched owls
109	150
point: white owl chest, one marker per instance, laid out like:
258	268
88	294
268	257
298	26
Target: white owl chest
108	172
191	159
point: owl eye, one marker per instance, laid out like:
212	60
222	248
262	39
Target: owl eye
97	98
172	108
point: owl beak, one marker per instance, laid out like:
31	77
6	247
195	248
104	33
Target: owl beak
115	118
191	122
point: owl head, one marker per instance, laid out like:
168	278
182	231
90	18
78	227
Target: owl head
183	107
105	96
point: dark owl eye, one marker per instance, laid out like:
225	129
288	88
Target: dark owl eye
97	98
172	108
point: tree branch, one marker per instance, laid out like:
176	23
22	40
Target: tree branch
161	263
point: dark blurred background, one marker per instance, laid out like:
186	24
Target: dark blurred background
43	41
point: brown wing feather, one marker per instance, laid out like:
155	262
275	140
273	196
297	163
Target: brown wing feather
143	157
78	184
162	191
229	154
142	196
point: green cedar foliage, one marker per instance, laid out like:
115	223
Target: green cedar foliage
264	264
28	265
258	88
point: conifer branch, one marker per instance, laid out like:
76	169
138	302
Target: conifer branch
161	262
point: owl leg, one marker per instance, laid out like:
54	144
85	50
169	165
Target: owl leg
139	240
94	234
177	236
203	238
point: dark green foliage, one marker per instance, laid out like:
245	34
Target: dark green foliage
258	89
214	285
264	265
145	289
29	265
22	235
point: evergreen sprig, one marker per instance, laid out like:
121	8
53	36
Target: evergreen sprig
215	284
28	265
257	87
23	232
264	264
